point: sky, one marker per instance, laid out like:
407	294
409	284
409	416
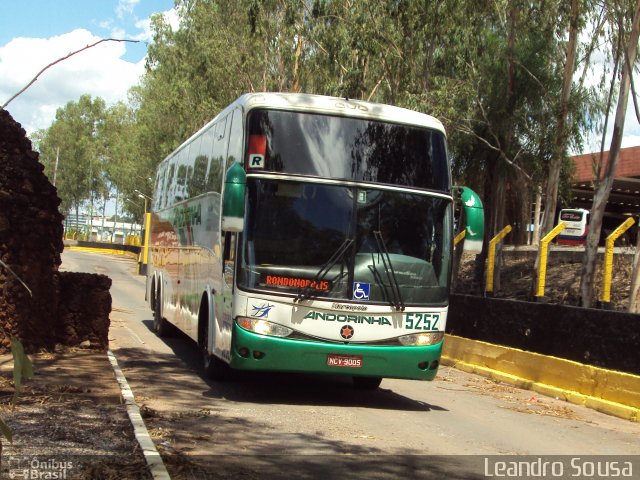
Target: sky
34	33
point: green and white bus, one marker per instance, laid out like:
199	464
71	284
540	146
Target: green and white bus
304	233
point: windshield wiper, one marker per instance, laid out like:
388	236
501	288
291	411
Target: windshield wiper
306	292
396	301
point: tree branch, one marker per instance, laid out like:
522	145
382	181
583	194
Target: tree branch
33	80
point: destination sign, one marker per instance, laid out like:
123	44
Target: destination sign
294	282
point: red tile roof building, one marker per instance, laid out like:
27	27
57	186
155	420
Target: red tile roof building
625	194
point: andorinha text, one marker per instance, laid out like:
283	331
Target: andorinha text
574	467
340	317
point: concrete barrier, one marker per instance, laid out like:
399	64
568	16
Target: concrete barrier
132	251
601	338
611	392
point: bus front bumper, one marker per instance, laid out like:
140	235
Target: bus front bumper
251	351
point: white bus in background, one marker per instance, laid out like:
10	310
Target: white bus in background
305	233
577	226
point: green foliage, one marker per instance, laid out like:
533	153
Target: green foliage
22	366
125	168
491	70
73	140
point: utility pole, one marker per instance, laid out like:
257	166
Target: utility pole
55	169
115	217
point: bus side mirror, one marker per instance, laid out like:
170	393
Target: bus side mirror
474	214
235	182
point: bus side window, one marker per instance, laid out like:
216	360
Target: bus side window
181	183
160	187
183	174
168	186
197	184
236	143
198	164
218	151
187	185
214	176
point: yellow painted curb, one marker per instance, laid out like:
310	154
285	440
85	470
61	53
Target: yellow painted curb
615	393
111	251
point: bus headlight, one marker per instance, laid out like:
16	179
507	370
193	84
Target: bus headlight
263	327
421	339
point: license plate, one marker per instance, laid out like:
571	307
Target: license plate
350	361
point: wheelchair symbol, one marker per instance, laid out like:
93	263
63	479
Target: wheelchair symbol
361	290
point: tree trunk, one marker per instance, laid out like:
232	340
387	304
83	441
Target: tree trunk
521	205
498	225
488	195
634	295
553	176
604	187
535	236
561	121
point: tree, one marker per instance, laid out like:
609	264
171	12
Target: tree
560	143
126	170
627	37
514	72
492	71
73	139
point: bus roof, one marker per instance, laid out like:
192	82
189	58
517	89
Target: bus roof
338	106
305	102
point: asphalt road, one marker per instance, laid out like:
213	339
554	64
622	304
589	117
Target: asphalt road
282	425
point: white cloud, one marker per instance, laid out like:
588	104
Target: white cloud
97	71
126	7
120	34
100	71
630	136
144	26
170	16
599	76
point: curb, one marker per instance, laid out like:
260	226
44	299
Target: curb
151	455
112	251
607	391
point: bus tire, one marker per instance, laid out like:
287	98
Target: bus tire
214	368
367	383
160	324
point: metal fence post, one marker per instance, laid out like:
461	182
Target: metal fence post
605	298
544	247
493	243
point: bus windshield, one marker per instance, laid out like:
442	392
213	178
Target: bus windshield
345	242
354	149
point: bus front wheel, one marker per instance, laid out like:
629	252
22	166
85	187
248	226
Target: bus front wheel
160	324
366	383
214	368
